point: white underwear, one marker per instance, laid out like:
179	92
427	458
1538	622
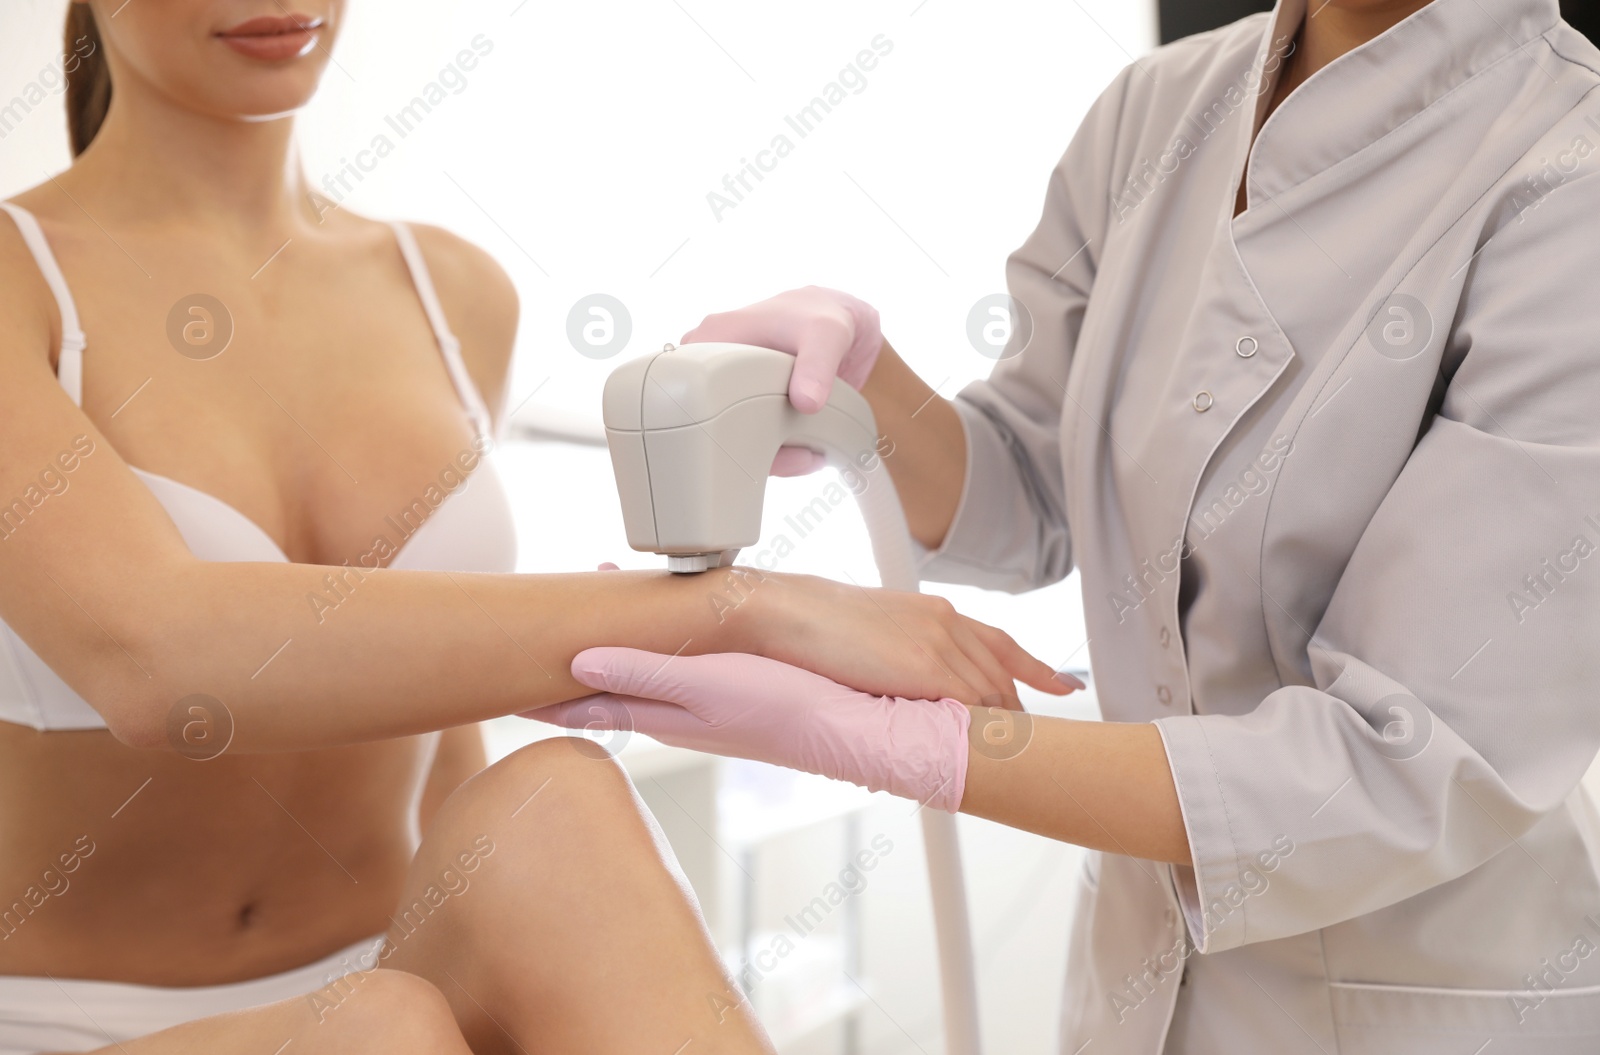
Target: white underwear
44	1014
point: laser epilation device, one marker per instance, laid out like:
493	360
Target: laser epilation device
693	431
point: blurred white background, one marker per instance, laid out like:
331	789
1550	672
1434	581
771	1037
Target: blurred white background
580	150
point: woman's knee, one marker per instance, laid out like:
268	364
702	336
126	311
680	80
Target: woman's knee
567	778
386	1011
540	818
512	842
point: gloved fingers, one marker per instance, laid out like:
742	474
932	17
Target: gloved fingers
1021	664
797	461
630	672
825	338
763	324
687	681
609	713
863	354
720	684
830	334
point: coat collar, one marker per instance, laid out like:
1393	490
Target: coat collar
1368	92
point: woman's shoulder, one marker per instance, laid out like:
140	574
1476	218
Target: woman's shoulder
25	298
479	300
460	269
465	269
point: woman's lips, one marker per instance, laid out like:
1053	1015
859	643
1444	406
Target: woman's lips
273	38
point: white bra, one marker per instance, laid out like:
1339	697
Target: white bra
469	530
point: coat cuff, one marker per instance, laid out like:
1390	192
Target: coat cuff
1212	892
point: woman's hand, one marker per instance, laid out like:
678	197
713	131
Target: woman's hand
750	707
884	642
829	333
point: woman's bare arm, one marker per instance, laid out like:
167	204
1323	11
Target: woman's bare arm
930	446
1104	785
95	577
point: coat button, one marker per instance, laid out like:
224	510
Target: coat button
1166	637
1203	401
1246	347
1163	694
1172	918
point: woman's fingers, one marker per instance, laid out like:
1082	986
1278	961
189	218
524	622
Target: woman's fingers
966	657
998	659
1001	690
1022	664
889	642
964	682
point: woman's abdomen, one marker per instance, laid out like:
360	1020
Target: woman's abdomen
153	868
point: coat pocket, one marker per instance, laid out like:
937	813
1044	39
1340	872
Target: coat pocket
1414	1020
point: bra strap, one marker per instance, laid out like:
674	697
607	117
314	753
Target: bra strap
449	346
69	369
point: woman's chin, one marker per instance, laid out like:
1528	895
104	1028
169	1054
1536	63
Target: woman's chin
275	115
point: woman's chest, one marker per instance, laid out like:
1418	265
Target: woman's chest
309	394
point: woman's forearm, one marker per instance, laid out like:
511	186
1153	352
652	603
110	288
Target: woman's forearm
1104	785
929	458
305	656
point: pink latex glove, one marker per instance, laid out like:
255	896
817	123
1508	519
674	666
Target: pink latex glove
829	333
748	706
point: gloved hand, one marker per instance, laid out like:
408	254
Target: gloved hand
748	706
829	333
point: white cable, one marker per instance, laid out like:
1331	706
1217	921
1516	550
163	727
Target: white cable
891	549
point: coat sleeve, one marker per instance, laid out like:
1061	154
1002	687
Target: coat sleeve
1010	528
1456	665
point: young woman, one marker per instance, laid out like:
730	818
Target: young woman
1305	381
255	582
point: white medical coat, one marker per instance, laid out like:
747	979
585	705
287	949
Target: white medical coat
1331	473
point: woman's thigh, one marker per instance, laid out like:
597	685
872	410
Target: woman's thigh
381	1012
547	906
